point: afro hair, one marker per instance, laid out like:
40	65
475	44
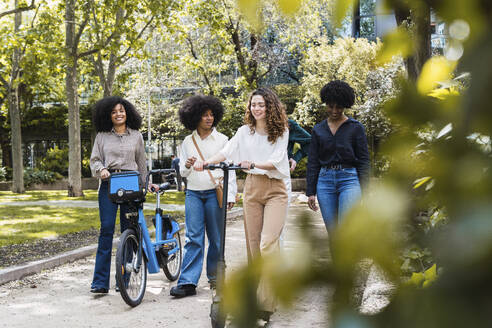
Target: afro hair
338	93
101	114
194	107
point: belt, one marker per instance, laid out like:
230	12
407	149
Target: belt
338	166
117	170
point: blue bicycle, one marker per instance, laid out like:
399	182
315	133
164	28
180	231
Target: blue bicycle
137	253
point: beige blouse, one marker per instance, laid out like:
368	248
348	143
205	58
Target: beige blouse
119	152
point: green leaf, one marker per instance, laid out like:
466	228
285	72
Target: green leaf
416	279
251	11
289	7
340	11
397	43
435	70
419	182
431	273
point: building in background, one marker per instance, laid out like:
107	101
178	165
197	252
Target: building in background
371	20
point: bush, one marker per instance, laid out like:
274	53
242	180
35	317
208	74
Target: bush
34	176
300	171
3	174
346	59
56	160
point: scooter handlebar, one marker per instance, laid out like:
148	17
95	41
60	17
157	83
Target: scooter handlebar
223	166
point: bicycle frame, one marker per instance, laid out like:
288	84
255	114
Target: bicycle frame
148	246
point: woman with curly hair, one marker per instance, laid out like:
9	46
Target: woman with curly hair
118	147
338	161
201	114
260	146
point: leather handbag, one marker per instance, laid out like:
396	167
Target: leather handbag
219	186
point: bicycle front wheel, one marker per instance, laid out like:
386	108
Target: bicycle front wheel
172	263
130	277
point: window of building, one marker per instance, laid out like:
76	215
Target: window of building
364	19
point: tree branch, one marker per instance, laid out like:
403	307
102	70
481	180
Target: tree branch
79	32
290	74
106	42
205	76
18	10
138	37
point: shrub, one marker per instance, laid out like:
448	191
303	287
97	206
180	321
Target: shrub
300	171
56	160
34	176
346	59
3	174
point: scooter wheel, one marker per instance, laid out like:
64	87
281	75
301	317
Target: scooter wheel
216	317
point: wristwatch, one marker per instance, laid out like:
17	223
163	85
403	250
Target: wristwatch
251	166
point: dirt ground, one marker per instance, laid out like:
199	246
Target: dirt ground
61	298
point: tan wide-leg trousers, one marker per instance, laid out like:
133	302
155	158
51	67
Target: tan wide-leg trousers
265	211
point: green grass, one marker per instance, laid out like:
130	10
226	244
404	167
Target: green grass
170	197
24	224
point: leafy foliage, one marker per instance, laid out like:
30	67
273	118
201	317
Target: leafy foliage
385	225
56	160
3	173
34	176
346	59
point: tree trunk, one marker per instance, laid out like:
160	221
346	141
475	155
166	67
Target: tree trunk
71	85
423	51
108	84
421	18
14	109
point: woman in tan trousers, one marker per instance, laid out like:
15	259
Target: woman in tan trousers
260	146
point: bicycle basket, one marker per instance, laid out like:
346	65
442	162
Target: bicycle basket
125	187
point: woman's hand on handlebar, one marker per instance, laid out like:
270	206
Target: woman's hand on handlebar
153	187
198	166
246	165
104	173
190	161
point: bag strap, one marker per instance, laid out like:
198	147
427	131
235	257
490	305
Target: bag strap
203	159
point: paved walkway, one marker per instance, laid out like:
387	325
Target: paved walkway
60	297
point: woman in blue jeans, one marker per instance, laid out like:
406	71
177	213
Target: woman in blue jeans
118	147
338	162
200	114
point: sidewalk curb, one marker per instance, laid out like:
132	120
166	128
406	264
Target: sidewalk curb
21	271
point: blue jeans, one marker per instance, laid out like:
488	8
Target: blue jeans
107	215
337	191
203	214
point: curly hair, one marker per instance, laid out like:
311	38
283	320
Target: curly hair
101	113
338	93
194	107
276	118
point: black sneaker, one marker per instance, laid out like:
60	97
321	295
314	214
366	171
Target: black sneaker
97	290
264	315
183	290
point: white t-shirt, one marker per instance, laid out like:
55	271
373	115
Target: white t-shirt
254	147
209	147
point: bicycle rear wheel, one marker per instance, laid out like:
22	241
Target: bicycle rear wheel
130	279
172	263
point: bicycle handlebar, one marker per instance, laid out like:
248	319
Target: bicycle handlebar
157	171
